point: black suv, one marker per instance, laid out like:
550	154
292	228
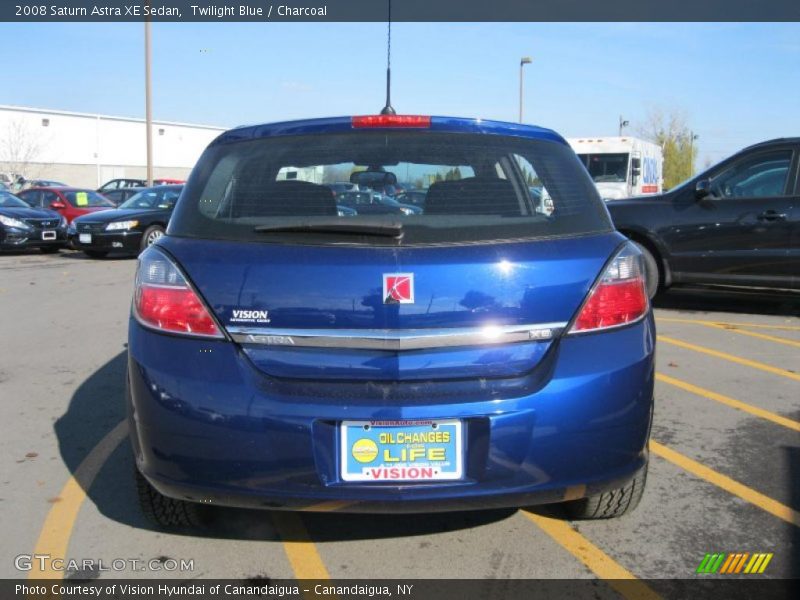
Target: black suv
735	224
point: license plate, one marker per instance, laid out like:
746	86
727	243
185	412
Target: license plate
401	450
48	235
85	238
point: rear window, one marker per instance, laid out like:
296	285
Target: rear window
440	188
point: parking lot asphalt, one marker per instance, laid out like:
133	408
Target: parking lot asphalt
724	469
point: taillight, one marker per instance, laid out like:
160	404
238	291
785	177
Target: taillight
619	297
418	121
163	299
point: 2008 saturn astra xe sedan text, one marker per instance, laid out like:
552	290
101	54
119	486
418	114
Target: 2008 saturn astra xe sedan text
494	349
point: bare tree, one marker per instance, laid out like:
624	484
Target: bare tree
21	149
670	130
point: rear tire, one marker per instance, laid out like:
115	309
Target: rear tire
164	512
652	272
96	253
611	504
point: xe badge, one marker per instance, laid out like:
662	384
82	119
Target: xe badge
398	288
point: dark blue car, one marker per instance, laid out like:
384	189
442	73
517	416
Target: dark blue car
23	227
479	354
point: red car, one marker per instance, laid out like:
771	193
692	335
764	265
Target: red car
66	201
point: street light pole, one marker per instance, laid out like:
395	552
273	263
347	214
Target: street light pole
692	137
622	124
525	60
148	108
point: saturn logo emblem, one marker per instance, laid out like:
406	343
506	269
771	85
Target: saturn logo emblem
398	288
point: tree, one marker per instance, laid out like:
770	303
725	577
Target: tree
531	179
671	131
452	174
21	149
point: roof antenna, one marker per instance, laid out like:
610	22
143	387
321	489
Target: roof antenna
388	110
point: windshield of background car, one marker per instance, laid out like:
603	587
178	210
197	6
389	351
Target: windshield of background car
11	201
86	199
606	167
476	188
158	198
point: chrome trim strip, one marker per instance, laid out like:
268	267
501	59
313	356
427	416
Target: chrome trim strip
396	339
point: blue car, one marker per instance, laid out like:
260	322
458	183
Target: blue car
479	354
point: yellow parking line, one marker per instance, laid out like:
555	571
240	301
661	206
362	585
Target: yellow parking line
597	561
727	400
736	329
60	521
300	550
760	336
724	482
730	357
57	528
728	324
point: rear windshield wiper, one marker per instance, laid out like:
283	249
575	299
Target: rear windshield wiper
341	226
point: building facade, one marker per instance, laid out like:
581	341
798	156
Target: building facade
87	150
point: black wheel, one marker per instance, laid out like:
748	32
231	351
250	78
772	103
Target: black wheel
162	511
608	505
150	236
653	273
50	249
96	253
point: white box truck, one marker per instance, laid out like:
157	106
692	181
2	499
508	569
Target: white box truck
621	166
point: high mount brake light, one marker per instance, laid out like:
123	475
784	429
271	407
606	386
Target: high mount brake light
163	299
619	297
408	121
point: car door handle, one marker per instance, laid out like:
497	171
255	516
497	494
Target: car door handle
772	215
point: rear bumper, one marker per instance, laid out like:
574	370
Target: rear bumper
206	426
355	499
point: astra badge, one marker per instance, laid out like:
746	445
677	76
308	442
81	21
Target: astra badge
398	288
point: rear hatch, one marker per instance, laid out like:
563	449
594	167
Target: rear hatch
283	292
479	284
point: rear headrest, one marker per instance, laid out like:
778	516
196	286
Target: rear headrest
285	199
473	196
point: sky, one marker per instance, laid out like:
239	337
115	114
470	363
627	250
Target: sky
736	83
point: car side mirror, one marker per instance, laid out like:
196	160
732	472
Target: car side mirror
702	189
57	205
